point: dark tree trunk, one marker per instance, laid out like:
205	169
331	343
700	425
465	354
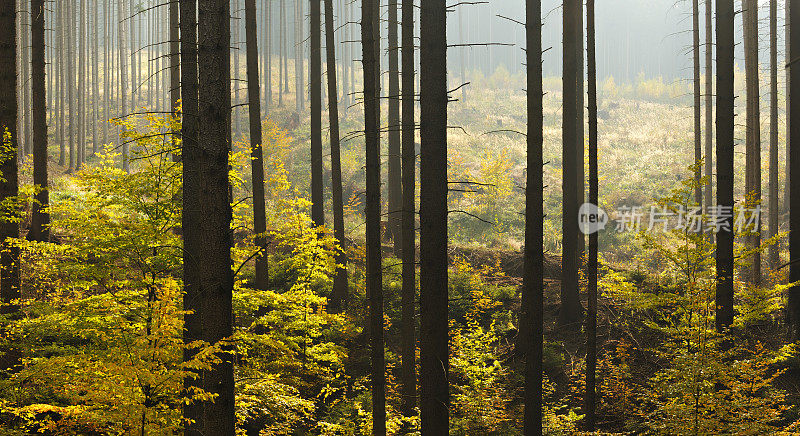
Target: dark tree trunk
9	189
572	243
256	141
123	80
698	140
299	69
317	199
434	359
281	39
753	138
590	399
395	187
339	298
174	55
409	291
724	254
774	182
190	155
373	212
794	162
40	221
214	283
709	113
532	313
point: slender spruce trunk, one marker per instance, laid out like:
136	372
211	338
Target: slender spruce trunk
318	202
794	161
369	27
434	359
753	137
40	221
708	197
9	188
698	134
725	141
590	398
191	217
408	377
532	313
572	240
340	290
256	141
774	180
394	185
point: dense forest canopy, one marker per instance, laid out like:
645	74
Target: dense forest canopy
371	217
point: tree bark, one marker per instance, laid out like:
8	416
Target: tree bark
572	240
317	199
590	398
725	119
191	218
709	113
373	210
698	140
40	220
212	234
794	162
256	141
532	313
9	229
434	359
395	184
123	69
774	180
339	298
409	289
753	138
299	69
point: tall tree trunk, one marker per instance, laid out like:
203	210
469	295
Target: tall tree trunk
571	310
709	113
394	185
123	70
580	183
408	377
532	314
237	38
753	141
340	279
462	55
285	50
256	141
62	105
174	56
590	398
794	162
698	140
95	76
281	43
774	182
299	69
9	189
40	221
71	82
211	237
268	49
106	71
724	254
81	84
434	359
192	217
787	41
25	133
373	212
317	199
